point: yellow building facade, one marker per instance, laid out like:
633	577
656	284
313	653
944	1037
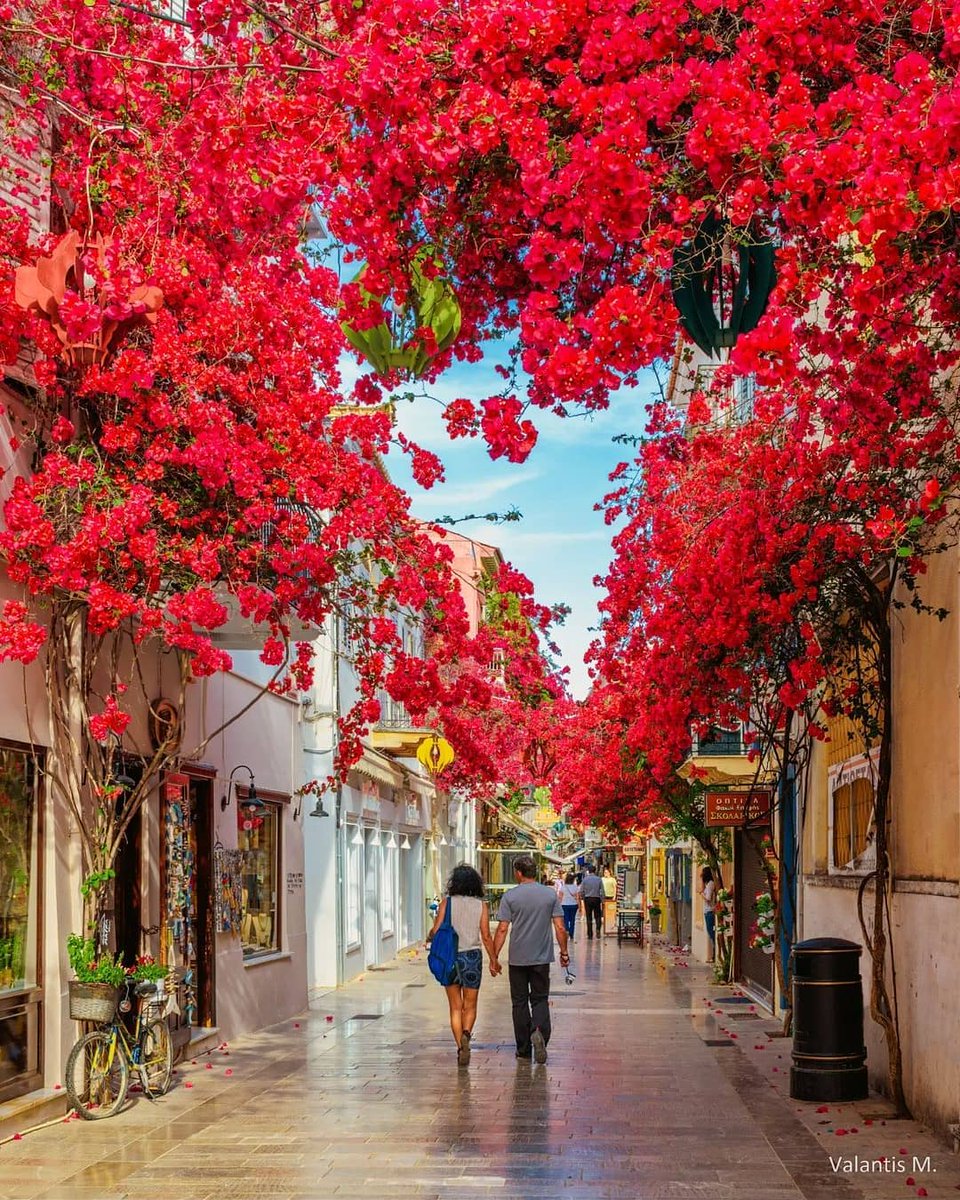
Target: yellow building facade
924	846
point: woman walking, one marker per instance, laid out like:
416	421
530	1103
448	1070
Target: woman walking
570	902
471	920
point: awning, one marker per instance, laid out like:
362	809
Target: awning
378	768
518	823
518	850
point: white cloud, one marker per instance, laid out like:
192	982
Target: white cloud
476	492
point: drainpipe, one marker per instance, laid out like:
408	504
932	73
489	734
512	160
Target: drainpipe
338	810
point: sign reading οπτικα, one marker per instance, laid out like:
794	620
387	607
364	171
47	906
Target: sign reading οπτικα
738	808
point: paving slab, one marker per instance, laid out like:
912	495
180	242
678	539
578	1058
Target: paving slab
647	1095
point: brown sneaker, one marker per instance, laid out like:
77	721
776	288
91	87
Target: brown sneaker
463	1054
539	1047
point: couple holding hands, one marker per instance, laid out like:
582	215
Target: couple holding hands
531	913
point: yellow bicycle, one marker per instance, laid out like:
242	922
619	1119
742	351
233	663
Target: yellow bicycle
99	1066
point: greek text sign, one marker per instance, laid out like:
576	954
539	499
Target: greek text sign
738	808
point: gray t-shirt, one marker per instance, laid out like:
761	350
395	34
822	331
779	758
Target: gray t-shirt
530	909
592	887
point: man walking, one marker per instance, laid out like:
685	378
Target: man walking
532	915
592	892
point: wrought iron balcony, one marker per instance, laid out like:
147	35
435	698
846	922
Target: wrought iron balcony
395	732
394	715
720	743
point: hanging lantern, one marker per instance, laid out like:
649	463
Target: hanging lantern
721	284
435	753
397	340
538	760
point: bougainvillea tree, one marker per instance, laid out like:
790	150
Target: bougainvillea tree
546	160
183	445
498	696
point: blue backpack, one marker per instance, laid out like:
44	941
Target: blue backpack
442	959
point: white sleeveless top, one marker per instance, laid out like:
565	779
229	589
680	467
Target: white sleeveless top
465	918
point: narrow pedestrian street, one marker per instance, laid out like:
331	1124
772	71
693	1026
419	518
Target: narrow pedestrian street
657	1085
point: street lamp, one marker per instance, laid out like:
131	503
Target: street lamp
251	801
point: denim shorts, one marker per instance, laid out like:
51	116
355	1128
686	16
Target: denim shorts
470	968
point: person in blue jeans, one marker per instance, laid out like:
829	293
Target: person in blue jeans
570	902
532	915
471	920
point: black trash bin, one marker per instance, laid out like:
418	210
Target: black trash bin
829	1059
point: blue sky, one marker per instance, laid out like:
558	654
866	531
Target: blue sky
561	543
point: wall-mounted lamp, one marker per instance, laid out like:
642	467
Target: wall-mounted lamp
118	771
251	801
317	811
391	842
357	839
123	780
405	843
443	840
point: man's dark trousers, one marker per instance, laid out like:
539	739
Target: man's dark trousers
594	910
530	993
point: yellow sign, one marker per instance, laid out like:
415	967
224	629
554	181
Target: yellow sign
435	753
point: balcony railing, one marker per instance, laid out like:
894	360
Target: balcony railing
394	715
722	743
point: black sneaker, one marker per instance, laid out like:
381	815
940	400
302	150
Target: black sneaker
539	1047
463	1054
527	1056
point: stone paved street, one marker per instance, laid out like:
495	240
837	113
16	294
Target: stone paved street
634	1102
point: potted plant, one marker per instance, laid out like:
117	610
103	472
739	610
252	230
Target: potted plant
763	931
95	990
654	910
723	908
147	970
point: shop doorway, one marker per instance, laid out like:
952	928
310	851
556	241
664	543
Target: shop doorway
187	933
753	968
128	897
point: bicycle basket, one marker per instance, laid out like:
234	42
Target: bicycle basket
92	1001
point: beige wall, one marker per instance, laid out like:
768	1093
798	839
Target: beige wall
925	853
925	834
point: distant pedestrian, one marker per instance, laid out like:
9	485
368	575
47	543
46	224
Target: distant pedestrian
532	915
592	892
709	891
609	885
471	921
570	902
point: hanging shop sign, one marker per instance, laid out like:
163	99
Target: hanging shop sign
738	808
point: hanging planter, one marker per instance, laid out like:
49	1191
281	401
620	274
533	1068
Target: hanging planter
721	284
412	334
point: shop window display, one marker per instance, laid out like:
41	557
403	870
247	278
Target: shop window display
18	872
19	891
257	838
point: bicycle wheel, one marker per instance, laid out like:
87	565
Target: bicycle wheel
156	1057
97	1075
